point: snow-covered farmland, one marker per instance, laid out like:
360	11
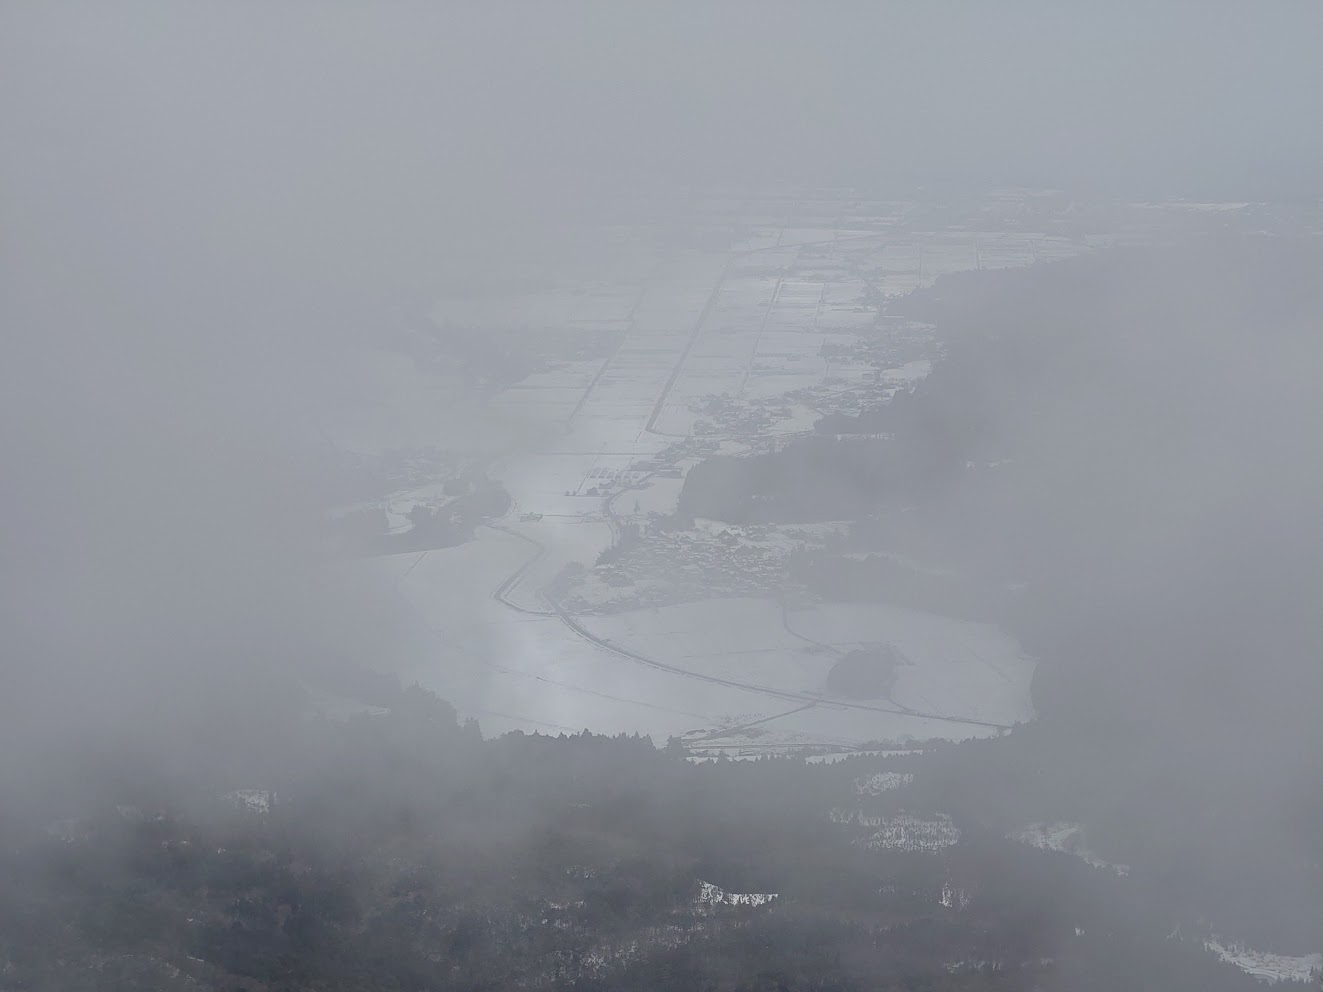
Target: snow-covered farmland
956	668
726	675
531	671
752	642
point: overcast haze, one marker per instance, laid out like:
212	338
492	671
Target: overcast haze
236	239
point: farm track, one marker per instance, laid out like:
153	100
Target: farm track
694	335
632	317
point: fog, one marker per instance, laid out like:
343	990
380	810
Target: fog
217	220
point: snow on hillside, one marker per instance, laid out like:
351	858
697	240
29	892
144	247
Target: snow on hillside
953	898
1067	838
913	833
880	782
1266	966
714	895
839	756
901	832
252	800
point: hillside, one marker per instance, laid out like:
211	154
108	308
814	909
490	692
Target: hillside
401	851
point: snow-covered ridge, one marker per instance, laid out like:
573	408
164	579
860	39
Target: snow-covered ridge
1067	838
714	895
1266	966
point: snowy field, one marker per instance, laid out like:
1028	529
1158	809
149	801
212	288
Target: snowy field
783	326
726	675
964	679
530	671
956	668
1266	966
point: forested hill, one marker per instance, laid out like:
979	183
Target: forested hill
1093	440
400	851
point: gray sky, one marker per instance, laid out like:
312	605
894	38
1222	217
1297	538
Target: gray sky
362	119
314	163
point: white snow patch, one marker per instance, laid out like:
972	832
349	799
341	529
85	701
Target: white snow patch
253	800
905	832
714	895
953	898
839	756
706	759
880	782
1266	966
